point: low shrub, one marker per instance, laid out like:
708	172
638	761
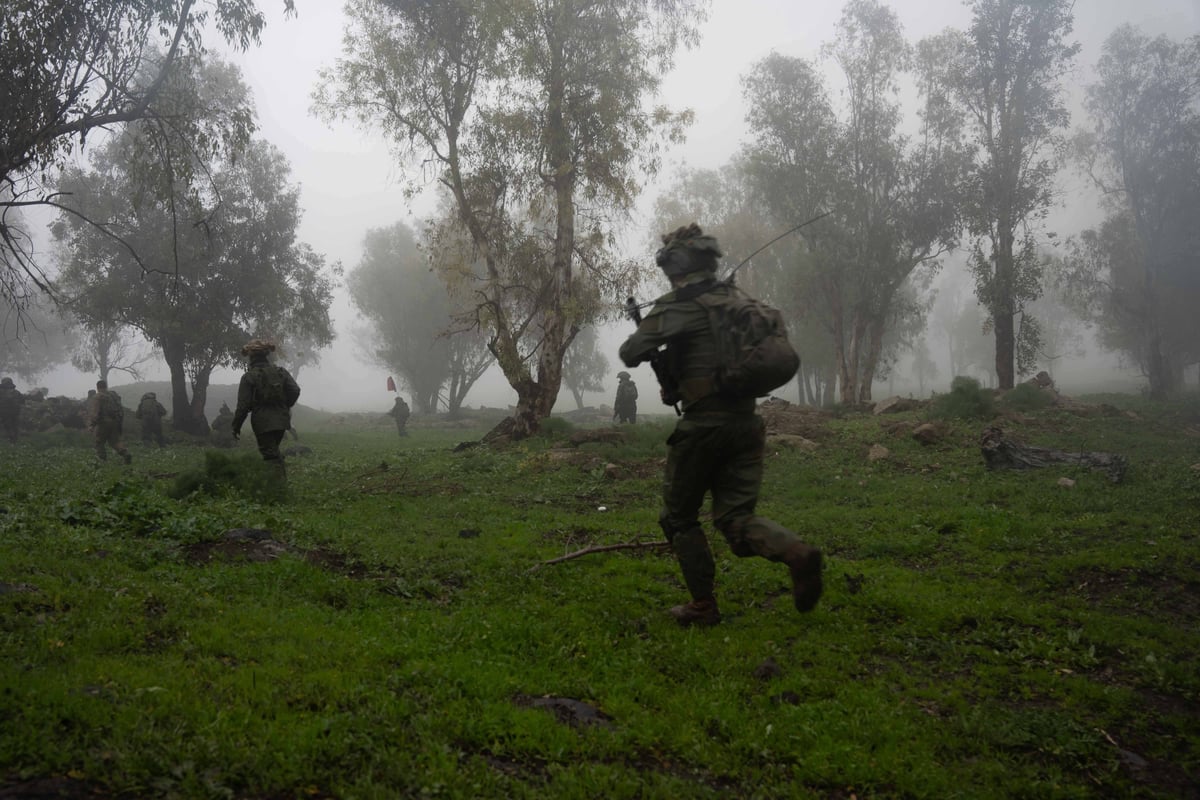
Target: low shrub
966	400
241	472
1026	397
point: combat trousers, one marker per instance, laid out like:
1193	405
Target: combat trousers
109	435
720	454
152	433
268	447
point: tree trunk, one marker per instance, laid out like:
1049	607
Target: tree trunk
199	399
181	407
871	362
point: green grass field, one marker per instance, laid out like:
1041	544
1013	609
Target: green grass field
390	629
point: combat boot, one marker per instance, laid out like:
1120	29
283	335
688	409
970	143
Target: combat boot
804	565
697	612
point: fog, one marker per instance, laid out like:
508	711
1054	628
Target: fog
351	183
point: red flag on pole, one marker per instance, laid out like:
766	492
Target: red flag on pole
391	384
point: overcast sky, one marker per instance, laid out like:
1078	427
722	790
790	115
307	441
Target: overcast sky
351	184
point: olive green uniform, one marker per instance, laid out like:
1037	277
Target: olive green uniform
151	413
400	412
270	416
222	427
625	406
717	446
107	420
11	401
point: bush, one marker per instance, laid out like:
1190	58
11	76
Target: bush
555	428
243	473
1026	397
966	400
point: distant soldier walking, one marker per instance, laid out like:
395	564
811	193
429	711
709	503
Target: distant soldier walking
107	421
151	413
717	446
222	427
11	401
266	394
400	412
625	406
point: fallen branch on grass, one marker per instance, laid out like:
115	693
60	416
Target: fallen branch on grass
1001	452
603	548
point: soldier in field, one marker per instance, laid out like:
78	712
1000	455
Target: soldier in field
11	401
266	394
150	413
625	406
400	413
107	421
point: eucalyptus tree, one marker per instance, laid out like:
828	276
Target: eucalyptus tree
104	346
33	340
533	117
194	248
891	196
71	70
1138	273
584	366
406	309
1005	73
725	203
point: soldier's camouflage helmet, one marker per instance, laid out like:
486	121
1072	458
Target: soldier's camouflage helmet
258	346
623	375
687	250
149	396
6	382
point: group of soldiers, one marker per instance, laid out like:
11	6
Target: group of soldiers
104	415
266	395
716	449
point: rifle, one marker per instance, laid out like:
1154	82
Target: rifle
667	388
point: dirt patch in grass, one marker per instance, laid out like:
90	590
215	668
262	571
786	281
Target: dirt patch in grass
257	546
52	788
1139	591
781	416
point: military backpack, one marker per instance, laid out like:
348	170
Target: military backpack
269	387
109	407
754	356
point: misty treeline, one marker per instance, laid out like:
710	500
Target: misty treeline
536	124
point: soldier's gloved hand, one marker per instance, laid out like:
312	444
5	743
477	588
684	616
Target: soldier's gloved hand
237	434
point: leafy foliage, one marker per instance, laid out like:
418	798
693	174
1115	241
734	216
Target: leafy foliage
1004	74
76	68
33	340
584	366
893	199
965	400
243	473
410	321
233	269
1137	275
1026	397
531	116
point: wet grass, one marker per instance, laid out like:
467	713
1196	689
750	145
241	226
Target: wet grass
383	631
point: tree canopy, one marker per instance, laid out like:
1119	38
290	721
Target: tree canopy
1005	75
1138	274
233	267
532	116
71	70
891	197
